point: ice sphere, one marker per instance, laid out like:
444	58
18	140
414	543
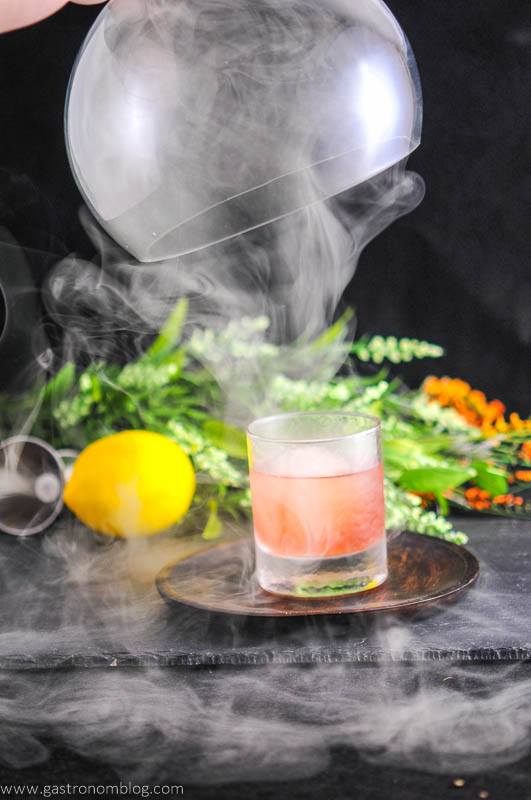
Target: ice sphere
307	461
314	444
320	460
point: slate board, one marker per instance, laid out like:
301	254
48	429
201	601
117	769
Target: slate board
66	601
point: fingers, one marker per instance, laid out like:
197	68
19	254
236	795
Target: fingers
18	13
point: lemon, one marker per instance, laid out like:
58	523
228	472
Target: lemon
134	483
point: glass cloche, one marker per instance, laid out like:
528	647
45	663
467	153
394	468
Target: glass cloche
192	121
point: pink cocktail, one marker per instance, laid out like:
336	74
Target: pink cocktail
332	515
318	504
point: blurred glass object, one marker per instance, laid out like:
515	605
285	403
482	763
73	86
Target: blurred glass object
32	478
23	342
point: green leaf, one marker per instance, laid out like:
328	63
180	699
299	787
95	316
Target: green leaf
214	528
170	334
334	332
226	437
371	380
334	588
434	443
414	452
442	502
434	480
61	383
491	479
397	447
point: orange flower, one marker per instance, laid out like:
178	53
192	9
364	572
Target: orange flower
525	451
474	407
501	499
477	498
475	493
508	500
432	385
523	475
517	423
426	498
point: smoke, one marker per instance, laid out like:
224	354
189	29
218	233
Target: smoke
275	723
188	124
204	700
278	704
272	699
293	271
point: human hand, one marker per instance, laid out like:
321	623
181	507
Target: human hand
18	13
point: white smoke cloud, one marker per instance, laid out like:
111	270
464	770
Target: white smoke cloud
90	602
277	721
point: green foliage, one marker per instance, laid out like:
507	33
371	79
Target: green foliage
214	527
226	437
492	479
174	388
434	480
170	334
388	348
404	511
61	384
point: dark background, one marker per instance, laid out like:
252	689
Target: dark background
456	271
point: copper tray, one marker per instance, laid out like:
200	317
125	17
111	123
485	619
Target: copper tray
422	572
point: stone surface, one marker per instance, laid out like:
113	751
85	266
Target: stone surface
67	600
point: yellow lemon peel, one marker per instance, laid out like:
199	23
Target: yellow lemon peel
130	484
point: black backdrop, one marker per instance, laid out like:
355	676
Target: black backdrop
456	271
